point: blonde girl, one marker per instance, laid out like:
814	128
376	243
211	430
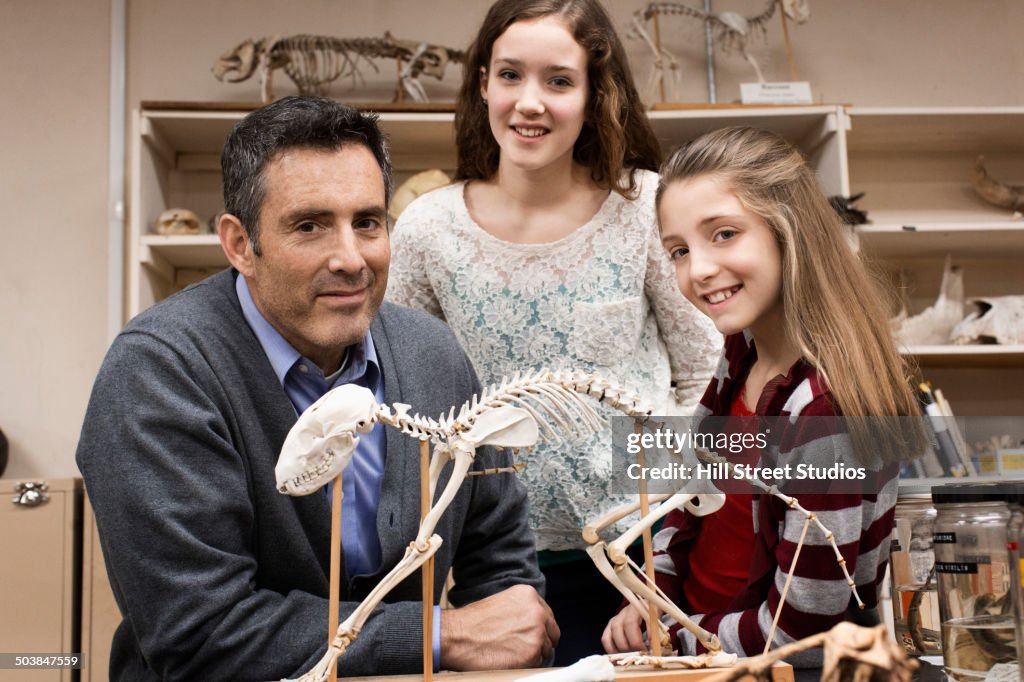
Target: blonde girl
545	253
758	249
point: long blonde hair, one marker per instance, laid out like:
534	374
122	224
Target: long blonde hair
836	308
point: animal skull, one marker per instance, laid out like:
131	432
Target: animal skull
240	60
997	319
177	221
321	443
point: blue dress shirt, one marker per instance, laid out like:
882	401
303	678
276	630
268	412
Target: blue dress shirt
304	383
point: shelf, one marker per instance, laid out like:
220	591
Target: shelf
972	130
806	127
913	239
193	140
967	357
193	252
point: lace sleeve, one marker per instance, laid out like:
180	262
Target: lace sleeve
408	279
693	343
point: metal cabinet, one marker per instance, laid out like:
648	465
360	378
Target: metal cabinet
40	576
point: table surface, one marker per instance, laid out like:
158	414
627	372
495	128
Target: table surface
781	672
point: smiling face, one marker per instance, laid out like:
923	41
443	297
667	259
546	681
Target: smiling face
727	261
536	91
324	258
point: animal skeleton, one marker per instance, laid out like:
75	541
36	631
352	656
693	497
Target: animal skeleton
994	192
852	653
313	62
733	29
513	414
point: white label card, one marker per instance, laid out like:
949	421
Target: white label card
797	92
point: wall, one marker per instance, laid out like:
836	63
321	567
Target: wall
53	189
868	53
53	176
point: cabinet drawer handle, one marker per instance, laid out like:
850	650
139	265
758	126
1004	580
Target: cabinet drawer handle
31	493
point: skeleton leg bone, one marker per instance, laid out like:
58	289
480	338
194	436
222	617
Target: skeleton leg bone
605	568
625	572
591	530
698	504
612	562
349	629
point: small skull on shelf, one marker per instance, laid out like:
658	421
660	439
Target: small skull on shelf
177	221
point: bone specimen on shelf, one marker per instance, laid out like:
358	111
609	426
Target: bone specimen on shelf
934	325
177	221
314	62
995	319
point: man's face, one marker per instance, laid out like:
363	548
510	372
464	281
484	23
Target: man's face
323	267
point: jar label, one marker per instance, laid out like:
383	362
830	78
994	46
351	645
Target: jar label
944	538
955	567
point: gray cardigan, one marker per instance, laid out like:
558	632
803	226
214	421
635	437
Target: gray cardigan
219	576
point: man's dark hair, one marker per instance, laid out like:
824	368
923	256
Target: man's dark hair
292	122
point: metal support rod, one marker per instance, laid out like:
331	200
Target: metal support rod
709	53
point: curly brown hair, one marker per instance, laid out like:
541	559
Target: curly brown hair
616	135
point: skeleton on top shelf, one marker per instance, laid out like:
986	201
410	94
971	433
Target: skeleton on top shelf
314	62
733	31
513	414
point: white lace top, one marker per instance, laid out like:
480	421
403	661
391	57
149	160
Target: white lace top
602	299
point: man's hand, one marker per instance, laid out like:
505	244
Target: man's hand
623	632
512	629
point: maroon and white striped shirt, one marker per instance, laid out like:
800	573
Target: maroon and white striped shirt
861	521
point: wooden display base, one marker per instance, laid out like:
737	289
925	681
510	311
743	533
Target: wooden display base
781	672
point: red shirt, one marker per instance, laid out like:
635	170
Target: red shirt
720	558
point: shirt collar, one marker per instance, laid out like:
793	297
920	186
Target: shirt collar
283	356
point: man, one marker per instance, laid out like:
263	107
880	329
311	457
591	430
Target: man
219	576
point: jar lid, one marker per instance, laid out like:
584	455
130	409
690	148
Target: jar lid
953	493
1015	492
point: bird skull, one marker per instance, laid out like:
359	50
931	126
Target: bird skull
321	443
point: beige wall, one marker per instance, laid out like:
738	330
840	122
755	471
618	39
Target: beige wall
864	52
53	258
53	171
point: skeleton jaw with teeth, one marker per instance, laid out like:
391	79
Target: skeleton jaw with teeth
321	443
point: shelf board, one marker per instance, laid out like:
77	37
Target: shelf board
193	252
916	130
797	124
195	138
892	240
967	357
